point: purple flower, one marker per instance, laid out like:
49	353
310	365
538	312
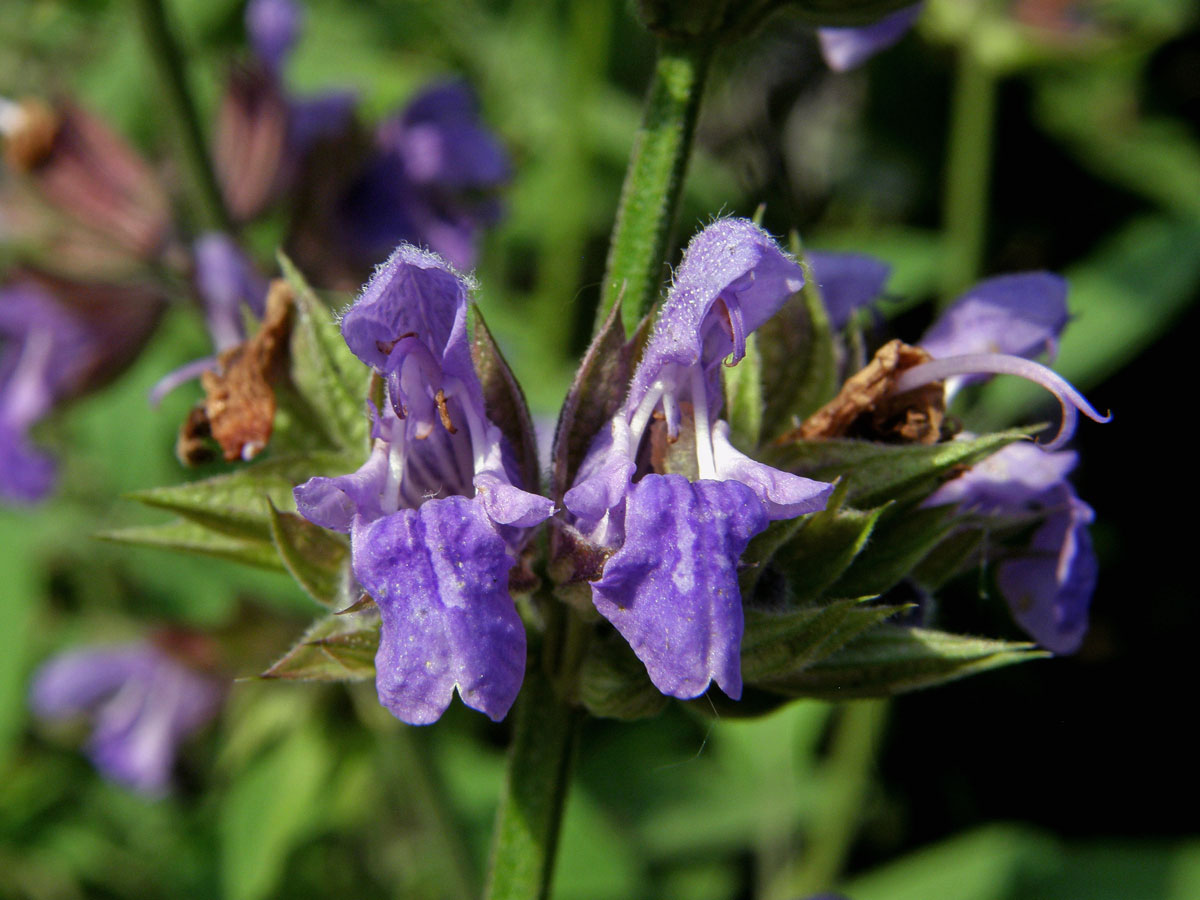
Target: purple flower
225	279
273	27
142	704
993	329
1049	583
431	180
436	515
848	282
670	586
848	48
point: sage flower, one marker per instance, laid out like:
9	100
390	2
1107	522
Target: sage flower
1048	584
670	586
431	180
848	48
142	703
436	515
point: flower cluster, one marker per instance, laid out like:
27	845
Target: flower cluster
439	513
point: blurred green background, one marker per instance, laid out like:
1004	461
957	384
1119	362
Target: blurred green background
1060	779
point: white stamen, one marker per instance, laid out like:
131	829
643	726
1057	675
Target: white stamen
1003	364
705	462
390	501
641	416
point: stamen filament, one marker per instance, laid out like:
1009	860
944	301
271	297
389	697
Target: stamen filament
705	462
641	416
1003	364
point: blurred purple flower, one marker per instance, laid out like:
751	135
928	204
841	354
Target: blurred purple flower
848	282
1048	584
58	338
430	181
225	280
670	586
273	27
848	48
437	513
142	704
993	329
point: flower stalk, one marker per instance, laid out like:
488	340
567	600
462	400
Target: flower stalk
540	761
654	180
167	57
968	172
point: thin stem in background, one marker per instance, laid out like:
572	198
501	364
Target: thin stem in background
654	180
207	206
849	769
968	172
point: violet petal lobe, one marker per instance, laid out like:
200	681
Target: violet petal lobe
848	281
273	26
439	575
415	292
671	590
1022	315
848	48
1049	588
732	260
782	494
334	502
1007	480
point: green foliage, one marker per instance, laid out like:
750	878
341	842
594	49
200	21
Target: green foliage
339	647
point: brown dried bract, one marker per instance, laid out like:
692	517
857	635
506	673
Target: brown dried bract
27	146
866	406
240	398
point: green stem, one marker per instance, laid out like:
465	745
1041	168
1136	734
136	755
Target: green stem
168	58
968	172
852	758
535	791
654	180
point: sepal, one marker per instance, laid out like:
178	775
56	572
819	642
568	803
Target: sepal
339	647
326	375
878	473
504	400
185	536
890	659
613	683
316	558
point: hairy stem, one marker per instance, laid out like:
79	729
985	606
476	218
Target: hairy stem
654	181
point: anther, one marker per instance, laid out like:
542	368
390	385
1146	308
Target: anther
443	413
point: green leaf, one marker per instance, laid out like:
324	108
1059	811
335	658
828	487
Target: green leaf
327	375
878	473
953	555
902	538
237	504
779	645
191	537
335	648
315	557
799	368
890	659
613	682
268	810
503	399
744	398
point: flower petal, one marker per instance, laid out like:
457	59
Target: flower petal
1006	480
671	589
848	281
1021	315
439	575
334	502
848	48
782	494
1050	589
